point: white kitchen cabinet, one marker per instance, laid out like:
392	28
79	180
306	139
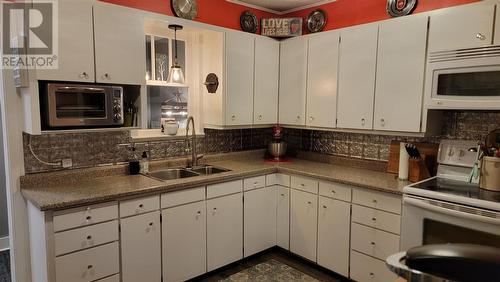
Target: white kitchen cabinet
239	78
120	46
184	241
460	27
323	56
400	74
141	248
303	224
334	235
259	220
283	217
224	230
267	59
75	56
293	79
357	65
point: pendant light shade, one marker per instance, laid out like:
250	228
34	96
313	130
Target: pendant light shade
176	76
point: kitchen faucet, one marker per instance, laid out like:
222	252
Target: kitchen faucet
194	156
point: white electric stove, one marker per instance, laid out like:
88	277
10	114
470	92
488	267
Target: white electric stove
448	208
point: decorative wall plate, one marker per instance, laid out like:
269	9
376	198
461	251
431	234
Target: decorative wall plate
398	8
316	21
248	22
212	82
186	9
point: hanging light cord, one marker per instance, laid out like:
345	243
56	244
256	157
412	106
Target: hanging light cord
37	158
175	45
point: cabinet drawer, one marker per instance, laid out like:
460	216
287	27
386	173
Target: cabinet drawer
365	268
182	197
86	237
278	179
335	190
226	188
373	242
304	184
88	265
84	216
254	182
377	219
377	200
139	206
114	278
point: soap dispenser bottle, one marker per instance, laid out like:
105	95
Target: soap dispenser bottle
144	163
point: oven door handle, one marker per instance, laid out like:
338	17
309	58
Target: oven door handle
81	89
455	213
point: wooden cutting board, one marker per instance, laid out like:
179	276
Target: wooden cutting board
430	150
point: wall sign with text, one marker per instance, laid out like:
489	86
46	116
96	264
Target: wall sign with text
276	27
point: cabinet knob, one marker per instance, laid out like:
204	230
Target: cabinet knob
260	117
382	122
105	76
325	207
302	184
363	122
333	192
198	212
372	274
374	219
90	266
372	243
88	218
298	117
374	201
84	75
89	237
233	117
141	206
480	36
151	224
309	202
282	195
311	118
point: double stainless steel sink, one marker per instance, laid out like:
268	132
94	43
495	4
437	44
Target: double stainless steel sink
178	173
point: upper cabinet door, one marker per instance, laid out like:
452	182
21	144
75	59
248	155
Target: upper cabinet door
240	49
461	27
357	65
267	54
400	74
120	47
293	70
323	55
76	44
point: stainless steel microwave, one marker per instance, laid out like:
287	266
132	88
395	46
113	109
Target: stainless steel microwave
467	79
83	105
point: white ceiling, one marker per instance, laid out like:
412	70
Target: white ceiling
280	6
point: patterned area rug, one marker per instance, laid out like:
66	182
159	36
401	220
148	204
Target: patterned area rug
5	266
271	270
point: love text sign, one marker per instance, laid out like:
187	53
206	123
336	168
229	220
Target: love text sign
278	27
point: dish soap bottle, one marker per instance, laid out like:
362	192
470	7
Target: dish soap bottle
144	163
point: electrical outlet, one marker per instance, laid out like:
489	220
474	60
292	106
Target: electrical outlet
67	163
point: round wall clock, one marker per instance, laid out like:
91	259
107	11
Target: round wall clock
398	8
316	21
248	22
186	9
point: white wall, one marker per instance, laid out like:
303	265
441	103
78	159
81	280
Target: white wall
4	222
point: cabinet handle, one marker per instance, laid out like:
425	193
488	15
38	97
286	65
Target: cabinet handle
88	218
480	36
198	212
363	122
372	274
372	243
325	207
90	266
84	75
151	224
89	237
382	122
141	206
309	202
374	219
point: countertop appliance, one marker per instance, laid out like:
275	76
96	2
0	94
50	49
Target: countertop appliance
463	79
447	208
83	105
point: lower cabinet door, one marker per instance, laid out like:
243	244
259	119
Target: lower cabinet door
141	248
333	235
260	220
303	224
224	230
283	217
184	241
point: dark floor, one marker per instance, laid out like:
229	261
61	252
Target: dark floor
276	254
4	266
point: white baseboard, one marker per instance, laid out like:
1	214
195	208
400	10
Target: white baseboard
4	243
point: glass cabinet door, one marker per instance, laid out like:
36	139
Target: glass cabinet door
160	55
162	62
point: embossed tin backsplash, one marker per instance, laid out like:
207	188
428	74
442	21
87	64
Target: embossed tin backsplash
102	148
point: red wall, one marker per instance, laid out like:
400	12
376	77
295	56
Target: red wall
344	13
215	12
340	14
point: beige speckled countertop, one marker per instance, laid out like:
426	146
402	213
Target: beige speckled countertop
66	189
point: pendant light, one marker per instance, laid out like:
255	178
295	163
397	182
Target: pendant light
175	76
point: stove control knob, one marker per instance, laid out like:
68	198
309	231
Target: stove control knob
117	117
117	108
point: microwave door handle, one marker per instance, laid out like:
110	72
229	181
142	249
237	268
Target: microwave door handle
79	89
454	213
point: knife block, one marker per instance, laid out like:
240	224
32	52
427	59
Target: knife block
417	171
